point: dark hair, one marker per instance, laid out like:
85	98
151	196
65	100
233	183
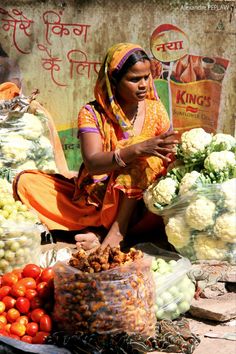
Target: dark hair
139	55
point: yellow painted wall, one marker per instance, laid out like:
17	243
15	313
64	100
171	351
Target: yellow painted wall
209	25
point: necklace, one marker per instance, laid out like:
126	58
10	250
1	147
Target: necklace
132	121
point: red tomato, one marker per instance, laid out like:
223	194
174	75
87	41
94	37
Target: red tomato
32	328
40	337
37	314
9	279
3	333
2	325
45	323
23	320
18	272
26	338
12	315
32	271
28	282
43	290
7	327
3	319
9	302
35	303
18	290
22	304
2	307
47	274
18	329
30	293
14	336
4	291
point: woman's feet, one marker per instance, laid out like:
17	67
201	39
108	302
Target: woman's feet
114	236
88	241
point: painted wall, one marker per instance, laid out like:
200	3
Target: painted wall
59	45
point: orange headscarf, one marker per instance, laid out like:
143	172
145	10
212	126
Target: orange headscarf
114	60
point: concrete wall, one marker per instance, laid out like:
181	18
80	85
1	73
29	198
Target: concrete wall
44	57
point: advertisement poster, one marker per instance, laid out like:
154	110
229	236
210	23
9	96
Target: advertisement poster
190	85
56	47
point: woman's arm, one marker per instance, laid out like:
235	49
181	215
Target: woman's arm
98	161
95	159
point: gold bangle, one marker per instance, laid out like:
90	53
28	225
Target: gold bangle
118	158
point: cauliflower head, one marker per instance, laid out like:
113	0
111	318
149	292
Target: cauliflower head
48	166
199	213
148	199
222	142
177	231
164	191
28	165
219	161
207	248
30	126
225	227
5	186
193	145
189	181
44	148
220	165
228	189
15	148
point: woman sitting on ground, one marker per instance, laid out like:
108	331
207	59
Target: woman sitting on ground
125	144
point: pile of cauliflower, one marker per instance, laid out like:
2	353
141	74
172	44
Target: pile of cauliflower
25	144
197	197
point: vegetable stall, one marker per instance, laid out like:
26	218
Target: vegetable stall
113	300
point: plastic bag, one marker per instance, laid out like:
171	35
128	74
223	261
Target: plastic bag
20	244
174	290
201	224
113	301
29	140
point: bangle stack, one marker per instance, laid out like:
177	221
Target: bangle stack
118	158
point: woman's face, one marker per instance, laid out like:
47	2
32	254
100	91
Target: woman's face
133	86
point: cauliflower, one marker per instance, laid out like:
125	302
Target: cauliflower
28	165
193	145
15	148
222	142
228	189
207	248
199	213
192	180
48	166
43	149
219	161
148	199
161	193
177	231
30	126
5	185
225	227
220	165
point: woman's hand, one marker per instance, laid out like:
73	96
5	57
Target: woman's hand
161	146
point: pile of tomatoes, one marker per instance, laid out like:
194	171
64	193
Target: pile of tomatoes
26	301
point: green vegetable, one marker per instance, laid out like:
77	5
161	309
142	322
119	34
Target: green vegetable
174	289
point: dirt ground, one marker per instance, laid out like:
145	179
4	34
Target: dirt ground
211	333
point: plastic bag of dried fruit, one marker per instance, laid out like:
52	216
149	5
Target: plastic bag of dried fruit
106	292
